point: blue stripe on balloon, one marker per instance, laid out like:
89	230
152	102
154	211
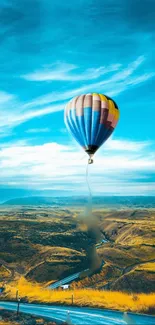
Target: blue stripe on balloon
101	134
81	127
76	131
71	128
95	125
107	135
88	122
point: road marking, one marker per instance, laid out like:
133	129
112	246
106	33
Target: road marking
83	313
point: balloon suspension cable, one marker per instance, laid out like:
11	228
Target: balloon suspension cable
89	189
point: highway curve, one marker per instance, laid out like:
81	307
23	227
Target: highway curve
79	315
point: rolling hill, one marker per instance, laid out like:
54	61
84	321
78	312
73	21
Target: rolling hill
45	244
78	201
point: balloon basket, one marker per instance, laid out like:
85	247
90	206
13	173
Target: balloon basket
90	161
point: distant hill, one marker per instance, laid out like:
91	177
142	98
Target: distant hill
11	193
107	201
34	200
7	193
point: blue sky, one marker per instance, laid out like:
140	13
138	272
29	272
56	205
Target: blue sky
54	50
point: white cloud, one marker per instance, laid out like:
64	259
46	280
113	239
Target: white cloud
14	116
144	77
14	143
57	166
119	145
38	130
112	86
5	97
68	72
122	188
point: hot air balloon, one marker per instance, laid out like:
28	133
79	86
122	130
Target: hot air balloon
91	119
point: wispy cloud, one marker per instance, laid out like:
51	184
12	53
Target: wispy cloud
38	130
123	145
19	115
68	72
113	85
5	97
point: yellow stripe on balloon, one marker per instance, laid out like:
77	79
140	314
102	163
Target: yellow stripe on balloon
104	102
118	114
116	117
114	113
103	98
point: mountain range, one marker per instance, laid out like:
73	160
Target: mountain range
106	201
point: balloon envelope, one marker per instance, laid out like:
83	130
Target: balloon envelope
91	119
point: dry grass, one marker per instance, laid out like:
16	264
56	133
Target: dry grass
98	280
4	272
150	267
130	227
141	303
7	323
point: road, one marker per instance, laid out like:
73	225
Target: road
79	316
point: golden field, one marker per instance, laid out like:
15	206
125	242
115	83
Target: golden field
33	292
6	323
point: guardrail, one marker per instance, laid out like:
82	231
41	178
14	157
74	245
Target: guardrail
66	280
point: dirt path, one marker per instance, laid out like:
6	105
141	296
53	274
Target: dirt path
133	266
126	271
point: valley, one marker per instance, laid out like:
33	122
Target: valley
45	244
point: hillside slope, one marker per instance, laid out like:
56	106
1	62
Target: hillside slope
46	244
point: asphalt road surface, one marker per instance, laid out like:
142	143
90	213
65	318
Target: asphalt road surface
80	316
